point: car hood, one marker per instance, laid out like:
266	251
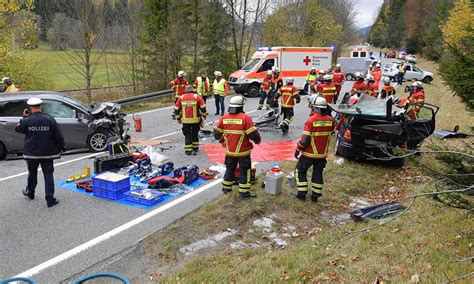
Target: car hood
370	107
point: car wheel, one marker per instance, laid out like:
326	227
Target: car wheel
349	77
3	151
427	80
253	91
97	142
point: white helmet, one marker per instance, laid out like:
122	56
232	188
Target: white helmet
370	78
321	71
6	80
318	101
417	84
34	102
290	80
181	74
269	72
358	75
378	65
338	65
327	77
313	68
275	70
236	101
218	73
386	80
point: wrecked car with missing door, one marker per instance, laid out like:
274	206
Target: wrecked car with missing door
372	129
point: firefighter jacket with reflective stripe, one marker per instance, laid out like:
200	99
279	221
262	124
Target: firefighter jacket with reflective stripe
178	85
202	86
236	129
359	87
373	89
289	94
314	142
377	74
328	91
266	84
417	100
387	90
277	82
189	108
338	77
311	76
220	88
43	136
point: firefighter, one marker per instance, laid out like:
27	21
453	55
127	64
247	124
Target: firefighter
276	83
264	87
317	81
220	88
387	89
235	130
416	101
338	78
190	110
314	146
289	94
310	79
359	85
327	89
8	86
202	86
178	85
372	87
377	74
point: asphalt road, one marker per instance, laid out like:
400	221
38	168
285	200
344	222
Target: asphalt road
54	243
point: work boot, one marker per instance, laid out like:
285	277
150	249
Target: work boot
52	203
315	196
301	195
194	153
259	108
226	190
188	153
173	116
28	194
247	195
217	113
284	128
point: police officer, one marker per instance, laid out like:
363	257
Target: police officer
314	144
190	110
44	142
235	130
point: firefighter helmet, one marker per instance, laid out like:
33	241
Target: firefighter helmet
386	80
236	101
318	101
269	72
358	75
327	77
290	80
218	73
181	74
322	72
6	80
417	84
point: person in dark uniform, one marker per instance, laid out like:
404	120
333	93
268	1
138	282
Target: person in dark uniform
44	142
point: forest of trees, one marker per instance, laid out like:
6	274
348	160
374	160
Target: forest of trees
161	37
440	30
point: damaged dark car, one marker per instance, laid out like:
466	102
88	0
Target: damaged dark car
372	130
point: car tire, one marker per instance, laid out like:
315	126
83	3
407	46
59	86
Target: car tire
349	77
3	151
97	142
253	91
427	80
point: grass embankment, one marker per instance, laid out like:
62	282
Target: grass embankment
429	243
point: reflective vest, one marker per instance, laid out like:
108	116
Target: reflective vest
220	88
373	90
359	87
328	91
338	77
178	85
276	82
266	84
12	89
319	128
236	128
202	87
387	90
288	94
190	107
311	77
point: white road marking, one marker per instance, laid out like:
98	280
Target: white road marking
72	252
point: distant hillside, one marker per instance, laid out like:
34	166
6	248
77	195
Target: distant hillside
364	31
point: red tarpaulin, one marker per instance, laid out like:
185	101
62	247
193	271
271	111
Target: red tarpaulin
265	152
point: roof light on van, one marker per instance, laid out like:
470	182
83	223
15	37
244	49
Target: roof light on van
264	48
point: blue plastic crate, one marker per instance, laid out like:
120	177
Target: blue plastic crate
111	181
157	197
109	194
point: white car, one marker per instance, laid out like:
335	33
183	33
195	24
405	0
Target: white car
402	55
410	58
412	72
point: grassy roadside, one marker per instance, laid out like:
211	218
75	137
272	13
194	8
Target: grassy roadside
430	243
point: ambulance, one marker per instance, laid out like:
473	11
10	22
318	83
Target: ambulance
293	62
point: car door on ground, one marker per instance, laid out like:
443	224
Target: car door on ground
10	114
75	130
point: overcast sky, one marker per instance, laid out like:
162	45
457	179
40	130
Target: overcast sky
367	10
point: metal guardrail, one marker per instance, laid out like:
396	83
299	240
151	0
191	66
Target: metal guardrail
144	97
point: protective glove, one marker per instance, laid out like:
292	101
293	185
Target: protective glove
179	121
297	154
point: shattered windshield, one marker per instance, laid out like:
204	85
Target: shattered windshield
367	106
251	64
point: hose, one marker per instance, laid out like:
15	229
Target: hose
27	280
97	275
